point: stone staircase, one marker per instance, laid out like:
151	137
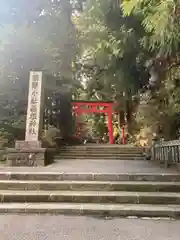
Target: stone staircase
97	152
101	194
52	190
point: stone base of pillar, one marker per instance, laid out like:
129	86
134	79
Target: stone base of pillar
29	157
28	144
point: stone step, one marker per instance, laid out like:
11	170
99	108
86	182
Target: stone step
70	157
102	151
105	210
59	176
90	197
64	153
121	151
103	146
86	147
139	186
100	156
96	154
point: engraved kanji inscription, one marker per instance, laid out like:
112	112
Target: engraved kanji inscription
34	106
35	81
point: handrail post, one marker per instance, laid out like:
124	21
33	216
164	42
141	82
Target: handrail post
153	149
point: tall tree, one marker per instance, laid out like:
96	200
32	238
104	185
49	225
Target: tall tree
111	55
160	20
128	47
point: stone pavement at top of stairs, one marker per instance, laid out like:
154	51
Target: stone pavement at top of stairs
95	166
49	227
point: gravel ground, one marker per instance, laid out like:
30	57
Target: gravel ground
44	227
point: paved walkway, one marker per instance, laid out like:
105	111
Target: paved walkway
85	228
96	166
110	166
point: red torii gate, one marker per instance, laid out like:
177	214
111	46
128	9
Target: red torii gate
80	107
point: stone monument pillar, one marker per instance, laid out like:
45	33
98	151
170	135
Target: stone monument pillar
34	110
30	152
34	117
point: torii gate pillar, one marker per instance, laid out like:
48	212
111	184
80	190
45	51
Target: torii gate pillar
110	128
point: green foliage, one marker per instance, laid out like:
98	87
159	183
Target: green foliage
111	55
109	50
49	137
99	126
160	20
10	131
129	48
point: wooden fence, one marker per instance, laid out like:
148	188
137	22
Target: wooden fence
166	152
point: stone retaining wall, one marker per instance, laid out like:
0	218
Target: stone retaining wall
29	157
